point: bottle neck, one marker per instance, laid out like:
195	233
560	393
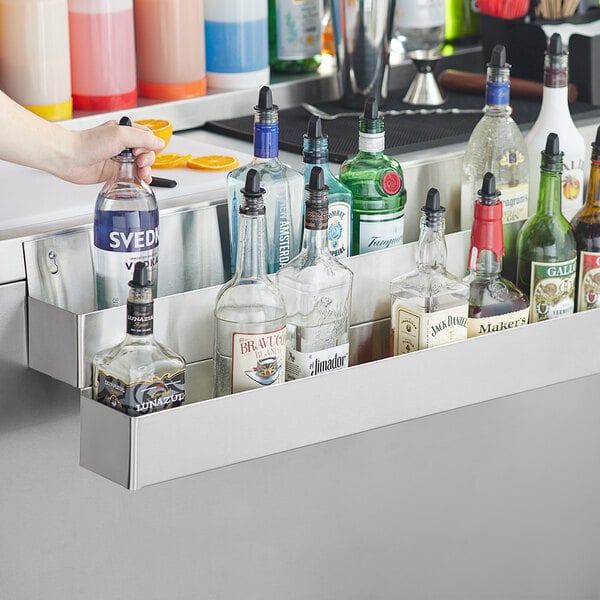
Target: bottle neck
431	247
550	194
485	262
315	151
251	254
126	167
497	91
314	241
593	193
487	238
140	315
371	136
266	134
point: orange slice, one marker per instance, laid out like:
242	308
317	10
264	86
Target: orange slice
159	127
213	162
171	160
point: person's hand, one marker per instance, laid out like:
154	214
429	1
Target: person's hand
91	150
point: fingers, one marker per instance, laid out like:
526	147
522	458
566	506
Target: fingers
144	162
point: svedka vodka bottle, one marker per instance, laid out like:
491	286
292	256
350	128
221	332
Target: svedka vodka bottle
316	152
125	231
317	291
377	185
284	189
497	146
249	351
139	375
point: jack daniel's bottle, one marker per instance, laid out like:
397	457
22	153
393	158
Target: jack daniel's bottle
139	375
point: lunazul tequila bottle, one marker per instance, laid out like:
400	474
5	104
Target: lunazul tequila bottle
546	252
250	321
586	227
496	145
139	375
317	290
316	152
125	231
377	185
284	189
429	305
495	303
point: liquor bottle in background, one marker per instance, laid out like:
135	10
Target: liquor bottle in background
418	25
139	375
429	305
546	252
317	291
377	185
316	152
295	35
125	231
496	145
284	189
462	22
586	227
250	315
495	303
555	117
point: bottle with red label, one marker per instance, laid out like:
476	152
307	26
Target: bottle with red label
586	227
377	185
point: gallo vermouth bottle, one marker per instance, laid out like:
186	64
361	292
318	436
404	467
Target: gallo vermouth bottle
546	252
249	351
125	231
317	291
495	303
429	304
139	375
586	227
316	152
377	185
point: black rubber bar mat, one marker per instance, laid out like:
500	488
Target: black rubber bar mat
405	133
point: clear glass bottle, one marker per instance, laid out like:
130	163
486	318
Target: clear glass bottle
284	189
250	315
586	227
429	305
377	185
496	145
555	117
495	303
125	231
418	25
546	252
139	375
295	35
316	152
317	291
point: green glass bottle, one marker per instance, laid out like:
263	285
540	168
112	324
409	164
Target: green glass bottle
546	251
295	35
377	185
462	22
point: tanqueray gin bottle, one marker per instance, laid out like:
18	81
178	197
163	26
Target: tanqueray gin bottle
284	189
139	375
250	315
125	231
317	291
377	185
496	145
429	305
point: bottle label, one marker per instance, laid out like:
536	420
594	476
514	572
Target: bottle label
515	202
497	93
415	330
308	364
258	360
476	327
137	398
298	29
572	183
338	231
391	183
266	140
378	232
552	292
316	219
420	14
588	291
140	318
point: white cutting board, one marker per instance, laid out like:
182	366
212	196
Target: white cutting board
30	197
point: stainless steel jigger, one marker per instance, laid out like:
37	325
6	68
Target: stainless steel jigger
424	89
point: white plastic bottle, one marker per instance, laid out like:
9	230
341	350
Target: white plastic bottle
555	117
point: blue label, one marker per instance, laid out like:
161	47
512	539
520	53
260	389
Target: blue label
240	47
266	140
497	93
126	231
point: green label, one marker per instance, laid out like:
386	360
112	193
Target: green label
552	289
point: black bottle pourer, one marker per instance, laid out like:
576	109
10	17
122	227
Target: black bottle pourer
371	111
488	193
552	157
140	276
252	204
315	128
498	59
555	45
433	209
126	122
317	191
265	99
596	146
316	149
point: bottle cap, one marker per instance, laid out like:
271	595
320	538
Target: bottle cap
498	58
487	232
433	209
252	204
140	276
552	157
126	122
265	99
555	45
371	121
